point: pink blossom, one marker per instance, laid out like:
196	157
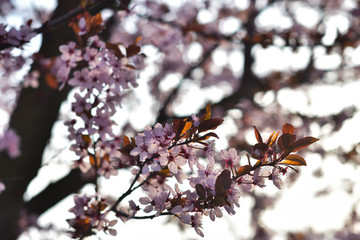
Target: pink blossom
145	147
197	224
205	176
157	202
189	153
80	79
81	103
93	57
31	79
107	169
210	151
276	175
2	187
230	157
172	159
10	142
82	26
70	52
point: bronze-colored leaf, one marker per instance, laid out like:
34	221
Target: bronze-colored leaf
219	201
259	150
288	128
243	170
115	48
210	124
294	159
126	141
208	112
51	81
200	190
285	141
206	136
132	50
303	142
137	40
86	139
185	133
272	138
178	125
223	182
95	25
258	135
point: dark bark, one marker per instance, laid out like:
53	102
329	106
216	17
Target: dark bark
32	119
57	191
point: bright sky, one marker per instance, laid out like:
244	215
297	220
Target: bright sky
297	208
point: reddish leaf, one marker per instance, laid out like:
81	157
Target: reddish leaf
208	112
178	126
294	159
51	81
86	139
200	190
209	124
271	140
95	24
132	50
92	160
131	67
126	141
288	128
243	170
219	201
223	182
115	48
185	131
285	141
222	185
258	135
207	136
303	142
262	148
137	40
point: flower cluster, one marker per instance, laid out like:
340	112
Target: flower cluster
14	37
102	72
12	61
90	214
163	152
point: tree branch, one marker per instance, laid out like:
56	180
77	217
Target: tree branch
57	191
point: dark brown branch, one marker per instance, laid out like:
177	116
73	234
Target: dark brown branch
33	118
55	192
